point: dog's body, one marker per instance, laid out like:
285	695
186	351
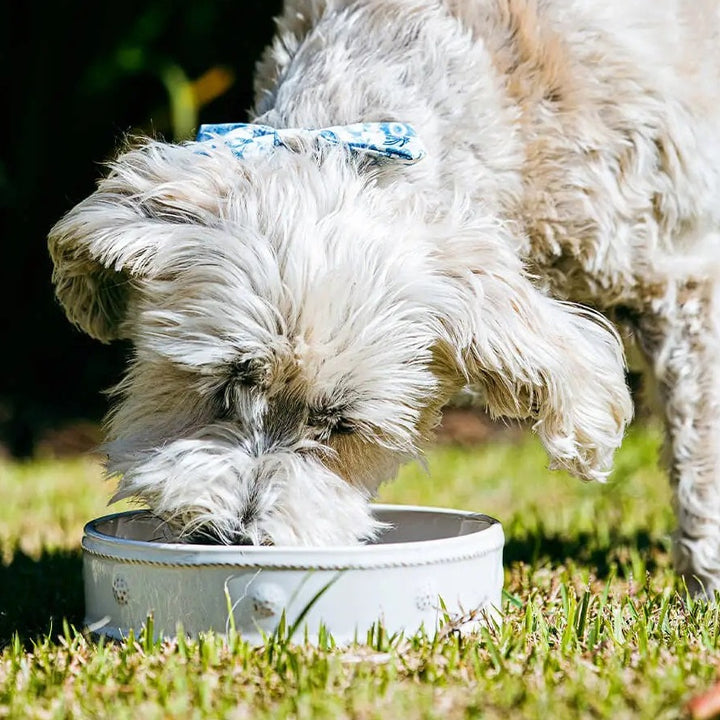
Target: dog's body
299	320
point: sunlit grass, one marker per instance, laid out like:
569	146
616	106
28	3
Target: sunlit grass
45	503
595	622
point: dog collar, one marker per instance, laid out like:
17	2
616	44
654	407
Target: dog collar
382	140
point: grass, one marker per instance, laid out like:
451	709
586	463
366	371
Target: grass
595	623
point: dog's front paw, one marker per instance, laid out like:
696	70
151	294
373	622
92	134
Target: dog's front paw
587	404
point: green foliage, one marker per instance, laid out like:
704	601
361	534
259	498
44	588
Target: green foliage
84	77
595	623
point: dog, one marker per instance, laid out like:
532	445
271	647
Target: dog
299	318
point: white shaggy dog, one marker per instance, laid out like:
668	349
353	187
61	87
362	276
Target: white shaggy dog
299	319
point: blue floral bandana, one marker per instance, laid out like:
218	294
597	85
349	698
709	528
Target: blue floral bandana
384	140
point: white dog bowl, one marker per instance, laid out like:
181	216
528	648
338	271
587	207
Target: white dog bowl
425	556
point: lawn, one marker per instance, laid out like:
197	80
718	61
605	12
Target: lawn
595	624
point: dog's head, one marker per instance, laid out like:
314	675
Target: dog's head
283	349
296	332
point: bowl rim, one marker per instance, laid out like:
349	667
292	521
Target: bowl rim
486	540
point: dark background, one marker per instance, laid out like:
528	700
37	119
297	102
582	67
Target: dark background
76	78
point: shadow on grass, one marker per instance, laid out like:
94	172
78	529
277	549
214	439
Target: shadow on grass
586	549
36	595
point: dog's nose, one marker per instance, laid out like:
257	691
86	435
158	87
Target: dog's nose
210	536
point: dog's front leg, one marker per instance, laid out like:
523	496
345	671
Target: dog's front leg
681	335
532	356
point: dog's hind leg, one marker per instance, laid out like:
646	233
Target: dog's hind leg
681	335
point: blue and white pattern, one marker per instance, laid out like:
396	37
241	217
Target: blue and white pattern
384	140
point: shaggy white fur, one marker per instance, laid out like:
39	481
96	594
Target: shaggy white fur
300	319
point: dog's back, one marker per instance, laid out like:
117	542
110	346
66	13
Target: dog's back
621	118
597	129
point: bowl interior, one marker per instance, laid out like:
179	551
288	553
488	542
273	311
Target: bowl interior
404	525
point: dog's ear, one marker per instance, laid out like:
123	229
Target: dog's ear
116	237
531	356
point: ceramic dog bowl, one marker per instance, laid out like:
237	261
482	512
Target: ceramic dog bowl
131	570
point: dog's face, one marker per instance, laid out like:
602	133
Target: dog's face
297	326
284	351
